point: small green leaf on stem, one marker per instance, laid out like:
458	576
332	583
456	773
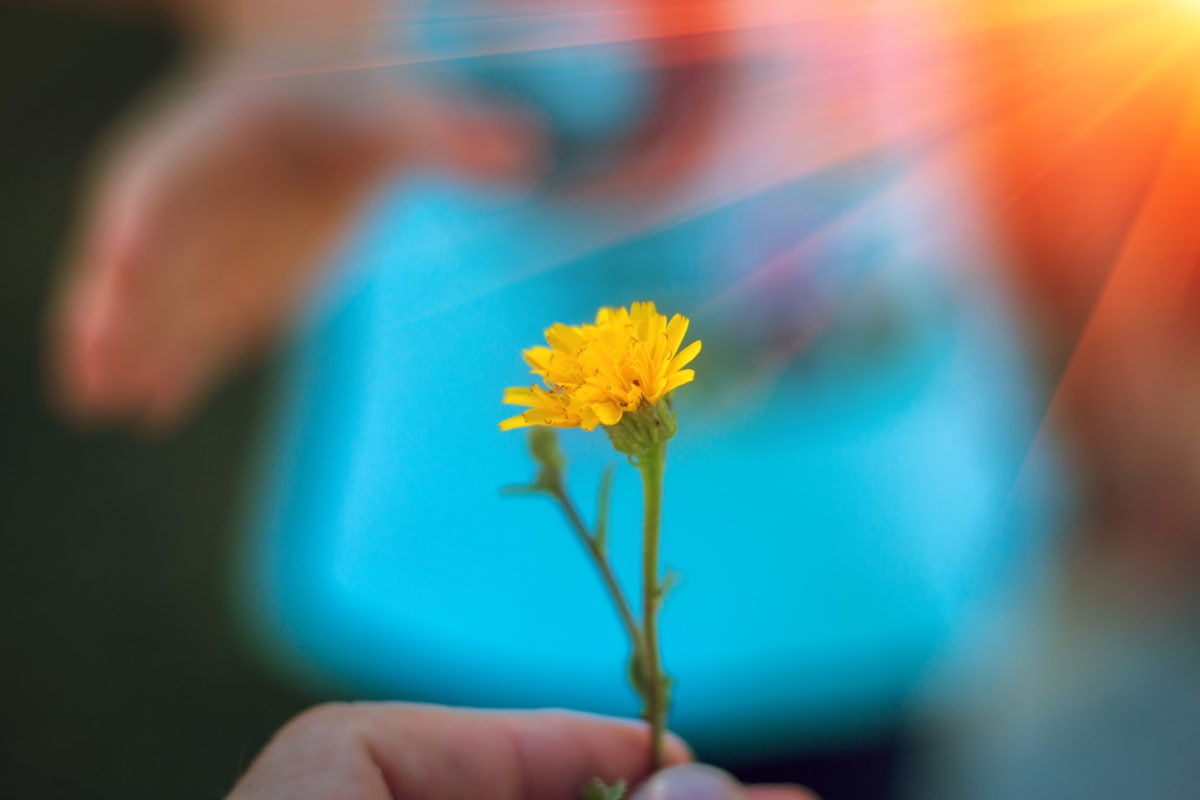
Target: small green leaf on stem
543	446
669	582
602	502
599	790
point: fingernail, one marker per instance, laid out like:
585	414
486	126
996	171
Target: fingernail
691	782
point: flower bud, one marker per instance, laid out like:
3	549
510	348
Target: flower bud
648	428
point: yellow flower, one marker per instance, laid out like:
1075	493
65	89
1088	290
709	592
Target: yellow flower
595	373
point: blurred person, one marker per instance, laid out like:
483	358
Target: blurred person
859	382
861	391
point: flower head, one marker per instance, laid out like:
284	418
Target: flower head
595	373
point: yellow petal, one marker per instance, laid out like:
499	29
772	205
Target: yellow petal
679	379
539	358
608	413
565	338
685	356
642	311
588	419
676	330
512	423
554	417
520	396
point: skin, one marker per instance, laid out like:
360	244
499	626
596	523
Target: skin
212	211
370	751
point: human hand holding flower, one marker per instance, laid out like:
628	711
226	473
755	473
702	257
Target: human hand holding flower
395	751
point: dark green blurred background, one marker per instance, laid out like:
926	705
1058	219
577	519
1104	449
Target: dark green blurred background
121	673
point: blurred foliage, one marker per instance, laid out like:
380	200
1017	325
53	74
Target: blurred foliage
121	672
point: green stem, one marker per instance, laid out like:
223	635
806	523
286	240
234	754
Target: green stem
651	464
600	558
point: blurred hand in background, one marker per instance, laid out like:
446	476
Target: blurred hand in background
212	211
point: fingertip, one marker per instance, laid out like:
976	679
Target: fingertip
678	751
102	385
86	365
81	383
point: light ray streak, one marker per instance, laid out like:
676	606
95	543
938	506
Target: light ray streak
940	155
1121	97
1148	281
642	23
1150	274
941	112
851	218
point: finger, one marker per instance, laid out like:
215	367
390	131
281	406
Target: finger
92	330
406	751
524	756
212	221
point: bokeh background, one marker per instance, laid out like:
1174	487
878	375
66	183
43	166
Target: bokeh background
124	672
136	660
121	671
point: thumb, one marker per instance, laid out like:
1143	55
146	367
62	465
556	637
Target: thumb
691	782
704	782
